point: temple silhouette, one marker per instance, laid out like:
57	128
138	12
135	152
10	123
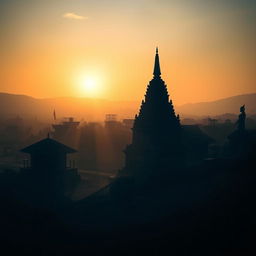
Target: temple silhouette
156	140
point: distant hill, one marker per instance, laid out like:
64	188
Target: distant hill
96	109
89	109
227	105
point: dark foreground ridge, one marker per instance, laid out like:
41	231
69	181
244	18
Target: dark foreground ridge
206	210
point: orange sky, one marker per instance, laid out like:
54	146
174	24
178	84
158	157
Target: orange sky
207	48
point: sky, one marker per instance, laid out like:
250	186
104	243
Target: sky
105	49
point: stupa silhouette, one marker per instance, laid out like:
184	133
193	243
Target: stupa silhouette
156	142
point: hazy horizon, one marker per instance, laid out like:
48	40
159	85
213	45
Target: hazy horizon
94	109
118	100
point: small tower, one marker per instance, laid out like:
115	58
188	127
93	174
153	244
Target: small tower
47	179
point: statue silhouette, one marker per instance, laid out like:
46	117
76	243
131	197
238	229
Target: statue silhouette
241	119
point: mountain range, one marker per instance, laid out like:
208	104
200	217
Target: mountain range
96	109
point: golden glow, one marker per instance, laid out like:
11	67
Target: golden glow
89	85
208	54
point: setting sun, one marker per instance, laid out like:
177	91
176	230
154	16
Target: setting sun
89	85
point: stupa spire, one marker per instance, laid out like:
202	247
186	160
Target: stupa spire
157	71
156	141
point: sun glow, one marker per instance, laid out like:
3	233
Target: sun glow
90	85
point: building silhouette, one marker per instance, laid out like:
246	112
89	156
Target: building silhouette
66	131
48	176
128	123
196	144
156	142
111	121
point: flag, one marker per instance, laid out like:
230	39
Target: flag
54	115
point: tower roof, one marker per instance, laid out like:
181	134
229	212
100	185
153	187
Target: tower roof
157	71
48	145
156	111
